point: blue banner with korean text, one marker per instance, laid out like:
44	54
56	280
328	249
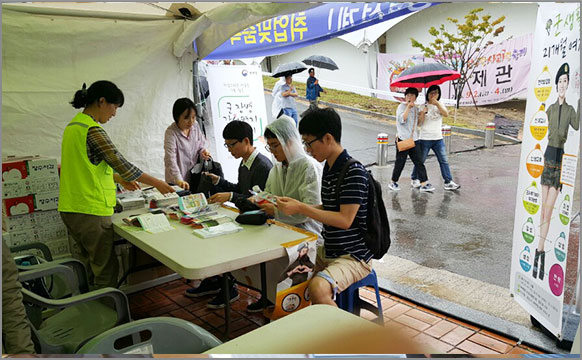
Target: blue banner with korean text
289	32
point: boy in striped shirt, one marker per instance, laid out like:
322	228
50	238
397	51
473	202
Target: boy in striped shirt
344	258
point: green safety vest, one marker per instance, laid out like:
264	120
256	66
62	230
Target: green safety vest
84	188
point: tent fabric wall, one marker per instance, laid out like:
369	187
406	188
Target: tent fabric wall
46	58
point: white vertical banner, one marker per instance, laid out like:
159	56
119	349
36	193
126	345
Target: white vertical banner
236	93
547	172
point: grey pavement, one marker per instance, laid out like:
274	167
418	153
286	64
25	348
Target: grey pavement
452	247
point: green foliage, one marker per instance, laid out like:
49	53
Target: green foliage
461	48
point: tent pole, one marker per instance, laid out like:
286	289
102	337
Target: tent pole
197	100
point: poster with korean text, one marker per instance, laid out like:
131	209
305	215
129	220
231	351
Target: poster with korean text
547	172
236	93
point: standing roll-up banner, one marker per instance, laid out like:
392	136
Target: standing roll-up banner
547	172
236	93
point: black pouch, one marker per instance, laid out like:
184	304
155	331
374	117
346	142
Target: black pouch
254	217
244	205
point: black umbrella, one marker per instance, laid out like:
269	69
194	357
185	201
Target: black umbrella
425	75
321	62
289	69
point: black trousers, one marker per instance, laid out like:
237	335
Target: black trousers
416	157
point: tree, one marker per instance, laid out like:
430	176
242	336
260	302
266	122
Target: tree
462	50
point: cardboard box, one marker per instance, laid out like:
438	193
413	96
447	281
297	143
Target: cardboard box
17	168
59	247
29	186
41	235
18	206
39	219
46	201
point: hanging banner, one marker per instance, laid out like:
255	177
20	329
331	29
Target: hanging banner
501	74
290	274
547	172
286	33
292	290
236	93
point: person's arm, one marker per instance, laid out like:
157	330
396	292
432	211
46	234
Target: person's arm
342	219
421	115
101	146
309	193
173	173
442	109
401	111
575	120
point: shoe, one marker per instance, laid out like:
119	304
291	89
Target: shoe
542	264
451	185
415	183
208	286
258	306
427	188
393	186
218	301
535	266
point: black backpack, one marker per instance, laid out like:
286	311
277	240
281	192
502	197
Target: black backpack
377	236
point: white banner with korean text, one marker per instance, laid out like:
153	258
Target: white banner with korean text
236	93
547	172
501	73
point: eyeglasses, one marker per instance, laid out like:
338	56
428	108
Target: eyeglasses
307	145
230	146
272	148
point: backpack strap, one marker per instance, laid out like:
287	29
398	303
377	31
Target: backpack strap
341	177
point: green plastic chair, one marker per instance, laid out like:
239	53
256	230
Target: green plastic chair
168	336
59	326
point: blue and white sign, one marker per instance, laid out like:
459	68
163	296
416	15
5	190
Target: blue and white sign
289	32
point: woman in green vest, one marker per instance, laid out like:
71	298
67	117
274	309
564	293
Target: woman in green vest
90	167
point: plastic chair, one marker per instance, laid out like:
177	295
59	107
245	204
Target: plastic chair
349	299
168	336
59	326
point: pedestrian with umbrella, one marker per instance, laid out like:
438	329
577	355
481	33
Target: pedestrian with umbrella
430	134
287	91
313	89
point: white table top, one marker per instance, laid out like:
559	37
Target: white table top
303	332
195	258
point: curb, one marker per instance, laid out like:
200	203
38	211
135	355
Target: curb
456	129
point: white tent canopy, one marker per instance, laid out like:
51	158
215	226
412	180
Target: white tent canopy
51	49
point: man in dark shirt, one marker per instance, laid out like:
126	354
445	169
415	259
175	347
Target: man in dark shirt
253	170
254	167
344	258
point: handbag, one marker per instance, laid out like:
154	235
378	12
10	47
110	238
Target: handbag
202	184
406	144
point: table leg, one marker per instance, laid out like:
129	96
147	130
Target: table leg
226	291
264	282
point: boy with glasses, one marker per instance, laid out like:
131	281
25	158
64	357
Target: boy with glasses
253	170
344	258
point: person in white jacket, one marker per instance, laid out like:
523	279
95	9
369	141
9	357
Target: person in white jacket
295	175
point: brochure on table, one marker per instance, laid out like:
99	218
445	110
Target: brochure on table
547	174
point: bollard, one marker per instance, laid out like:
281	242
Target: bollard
382	153
446	131
489	135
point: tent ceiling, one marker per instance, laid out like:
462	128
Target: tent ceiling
213	23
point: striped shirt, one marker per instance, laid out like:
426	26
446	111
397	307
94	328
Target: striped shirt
353	190
100	148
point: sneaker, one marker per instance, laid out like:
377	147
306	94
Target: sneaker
218	301
258	306
415	183
393	186
208	286
427	187
452	186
